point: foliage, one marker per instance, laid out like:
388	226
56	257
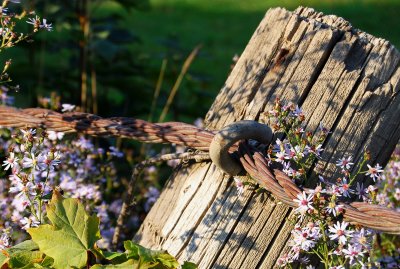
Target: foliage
41	165
75	166
101	67
93	46
73	233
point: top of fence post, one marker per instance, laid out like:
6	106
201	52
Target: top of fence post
342	77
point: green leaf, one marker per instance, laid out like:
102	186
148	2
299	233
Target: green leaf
3	258
103	34
189	265
150	258
47	263
72	234
22	255
25	245
126	265
25	259
115	257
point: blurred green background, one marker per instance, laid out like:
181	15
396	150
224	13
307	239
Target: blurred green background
128	41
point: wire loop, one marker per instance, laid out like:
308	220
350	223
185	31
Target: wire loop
229	135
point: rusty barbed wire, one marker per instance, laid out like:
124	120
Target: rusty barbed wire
254	162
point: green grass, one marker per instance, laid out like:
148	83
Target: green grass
225	26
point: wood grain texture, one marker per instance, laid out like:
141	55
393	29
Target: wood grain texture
345	78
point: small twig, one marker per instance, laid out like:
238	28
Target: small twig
184	70
158	89
185	157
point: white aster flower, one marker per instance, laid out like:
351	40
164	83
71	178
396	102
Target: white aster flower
5	241
67	107
45	25
34	21
345	163
374	172
29	188
339	232
10	162
352	253
28	133
29	222
362	238
304	203
301	239
49	161
54	136
239	185
344	188
333	209
30	161
280	157
323	129
397	194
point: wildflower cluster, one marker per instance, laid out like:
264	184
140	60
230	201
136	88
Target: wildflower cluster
11	14
387	193
389	187
326	235
298	150
37	162
8	20
320	230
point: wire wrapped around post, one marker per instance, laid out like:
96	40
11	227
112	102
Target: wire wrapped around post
253	161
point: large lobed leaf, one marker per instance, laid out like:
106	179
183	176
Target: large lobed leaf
71	236
24	255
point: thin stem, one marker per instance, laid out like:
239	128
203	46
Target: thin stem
352	178
84	20
325	246
157	89
178	82
94	90
138	168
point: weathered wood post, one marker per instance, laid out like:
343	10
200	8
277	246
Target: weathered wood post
341	76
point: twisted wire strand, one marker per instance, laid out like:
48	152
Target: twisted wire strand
169	132
256	165
281	186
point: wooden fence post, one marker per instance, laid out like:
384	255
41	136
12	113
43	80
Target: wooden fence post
345	78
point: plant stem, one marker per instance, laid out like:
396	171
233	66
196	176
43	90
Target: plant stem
178	82
158	89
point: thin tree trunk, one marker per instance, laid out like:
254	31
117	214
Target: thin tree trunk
342	77
84	21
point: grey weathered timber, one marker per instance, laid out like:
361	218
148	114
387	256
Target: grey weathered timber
345	78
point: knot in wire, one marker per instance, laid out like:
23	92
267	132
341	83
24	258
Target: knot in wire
229	135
